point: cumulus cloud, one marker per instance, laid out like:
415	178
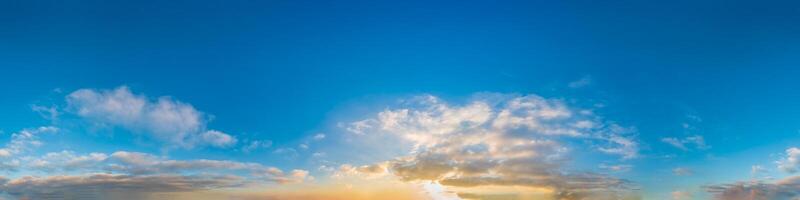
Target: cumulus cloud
696	141
256	144
784	189
164	118
791	162
502	141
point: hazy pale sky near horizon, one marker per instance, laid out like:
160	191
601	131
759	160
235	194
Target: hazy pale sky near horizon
408	100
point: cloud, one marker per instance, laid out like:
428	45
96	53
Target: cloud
696	140
24	140
111	186
217	139
138	163
784	189
49	113
583	82
757	169
682	171
319	136
256	144
132	175
365	171
295	176
505	141
164	118
791	162
66	161
617	168
675	142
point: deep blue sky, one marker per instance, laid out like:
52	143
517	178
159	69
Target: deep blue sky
281	70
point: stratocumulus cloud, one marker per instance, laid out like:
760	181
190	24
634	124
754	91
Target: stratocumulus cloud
508	141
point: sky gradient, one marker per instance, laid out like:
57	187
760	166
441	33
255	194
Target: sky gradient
406	100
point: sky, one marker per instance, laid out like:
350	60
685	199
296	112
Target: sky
402	100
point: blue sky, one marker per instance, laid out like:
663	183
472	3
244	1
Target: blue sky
706	89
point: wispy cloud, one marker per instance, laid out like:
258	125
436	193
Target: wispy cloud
695	141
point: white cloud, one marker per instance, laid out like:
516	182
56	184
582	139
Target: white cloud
49	113
144	164
256	144
617	168
319	136
675	142
359	127
697	141
364	171
218	139
501	141
66	161
583	82
164	118
757	169
24	140
682	171
277	175
791	162
111	186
